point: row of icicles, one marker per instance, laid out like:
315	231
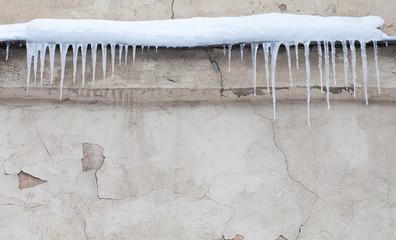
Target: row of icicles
37	51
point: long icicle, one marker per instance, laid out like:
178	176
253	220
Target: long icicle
52	47
126	53
83	61
333	52
120	46
274	55
63	52
376	65
254	47
327	72
7	51
43	51
75	57
346	62
266	47
29	55
242	47
287	45
229	57
36	54
104	59
94	48
319	43
134	53
296	49
112	52
308	71
364	65
353	61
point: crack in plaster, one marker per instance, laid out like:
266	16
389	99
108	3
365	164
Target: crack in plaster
217	68
173	13
309	217
371	7
82	216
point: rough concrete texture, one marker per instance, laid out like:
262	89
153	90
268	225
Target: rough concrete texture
199	170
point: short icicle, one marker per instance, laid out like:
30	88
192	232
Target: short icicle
29	55
287	45
266	46
75	56
224	49
63	52
104	60
126	54
333	52
308	71
376	65
296	49
112	52
327	72
43	51
319	43
52	47
94	48
7	51
134	53
364	65
254	47
346	62
242	47
353	61
35	55
83	61
274	55
229	57
120	46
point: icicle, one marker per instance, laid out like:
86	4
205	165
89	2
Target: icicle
376	65
104	59
242	46
52	47
229	57
120	46
134	53
75	56
63	52
333	51
296	48
83	61
266	51
353	60
346	62
224	48
364	63
287	45
143	49
43	50
94	48
320	65
386	44
29	55
327	72
126	53
36	53
7	51
308	71
254	47
112	52
156	48
274	55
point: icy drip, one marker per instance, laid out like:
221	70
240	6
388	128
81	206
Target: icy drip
296	48
333	51
376	65
75	56
63	52
104	59
229	57
43	49
134	53
156	48
94	48
386	44
242	47
327	72
126	53
29	55
353	60
224	49
266	52
308	71
274	55
112	52
52	47
83	61
120	46
364	64
346	62
35	55
254	47
320	65
7	51
143	49
287	45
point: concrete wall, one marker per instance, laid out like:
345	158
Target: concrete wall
177	147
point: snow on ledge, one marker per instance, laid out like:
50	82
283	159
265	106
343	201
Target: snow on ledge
198	31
